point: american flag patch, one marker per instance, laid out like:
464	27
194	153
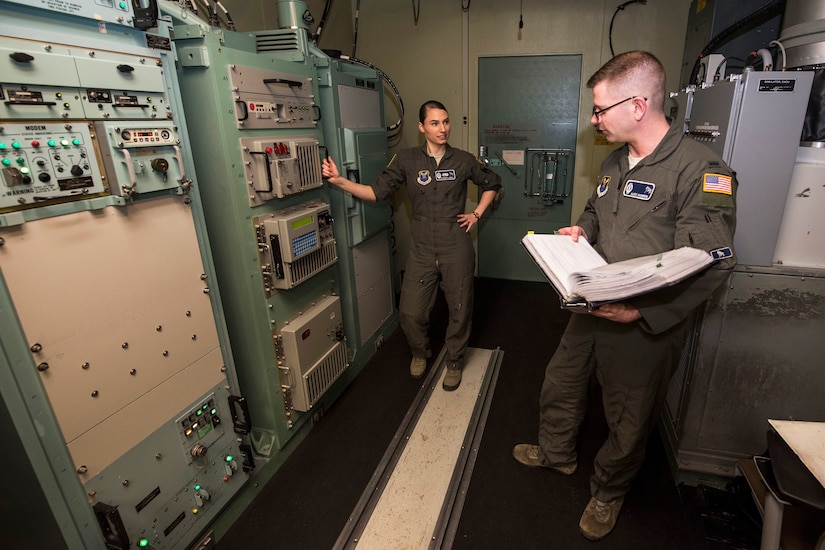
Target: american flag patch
717	183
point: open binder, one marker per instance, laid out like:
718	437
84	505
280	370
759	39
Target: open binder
584	280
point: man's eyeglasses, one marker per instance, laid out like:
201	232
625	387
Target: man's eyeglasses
599	112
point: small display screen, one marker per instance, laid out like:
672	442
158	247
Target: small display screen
301	222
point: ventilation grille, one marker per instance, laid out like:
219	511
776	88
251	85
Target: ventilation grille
306	266
318	379
309	167
278	41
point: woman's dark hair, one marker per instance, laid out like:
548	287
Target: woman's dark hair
431	104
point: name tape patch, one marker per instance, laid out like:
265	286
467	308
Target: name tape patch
445	175
641	190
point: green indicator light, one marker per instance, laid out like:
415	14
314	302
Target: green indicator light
2	146
143	543
24	170
200	412
229	458
76	141
51	143
6	162
197	487
122	5
15	144
214	411
21	160
64	142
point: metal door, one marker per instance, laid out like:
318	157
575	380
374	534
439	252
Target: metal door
528	120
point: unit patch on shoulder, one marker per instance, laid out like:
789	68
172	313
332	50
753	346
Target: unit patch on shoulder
601	190
445	175
717	190
424	177
641	190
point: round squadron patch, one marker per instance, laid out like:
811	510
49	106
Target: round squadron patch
424	177
602	189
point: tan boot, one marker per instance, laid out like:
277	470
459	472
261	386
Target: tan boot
418	367
599	518
452	378
532	455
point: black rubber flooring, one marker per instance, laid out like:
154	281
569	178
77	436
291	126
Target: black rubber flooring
307	502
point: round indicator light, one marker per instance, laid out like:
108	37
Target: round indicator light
6	162
15	144
2	146
35	143
197	487
24	170
51	143
143	543
64	142
76	141
229	458
21	160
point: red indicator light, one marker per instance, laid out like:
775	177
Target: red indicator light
251	106
268	150
35	143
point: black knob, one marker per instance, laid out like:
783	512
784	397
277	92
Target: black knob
21	57
77	170
44	177
160	165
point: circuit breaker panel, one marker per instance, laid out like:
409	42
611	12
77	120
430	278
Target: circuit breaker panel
115	359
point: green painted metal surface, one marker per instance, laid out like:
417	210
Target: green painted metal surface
528	122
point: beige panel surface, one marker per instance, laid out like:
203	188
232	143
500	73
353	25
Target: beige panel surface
406	514
116	299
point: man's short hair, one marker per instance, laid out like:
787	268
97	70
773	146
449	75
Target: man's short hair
635	72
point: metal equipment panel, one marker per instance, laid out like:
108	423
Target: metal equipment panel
23	62
142	157
272	100
373	284
109	11
314	352
754	121
112	324
99	69
294	244
803	226
757	356
356	133
45	162
97	357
